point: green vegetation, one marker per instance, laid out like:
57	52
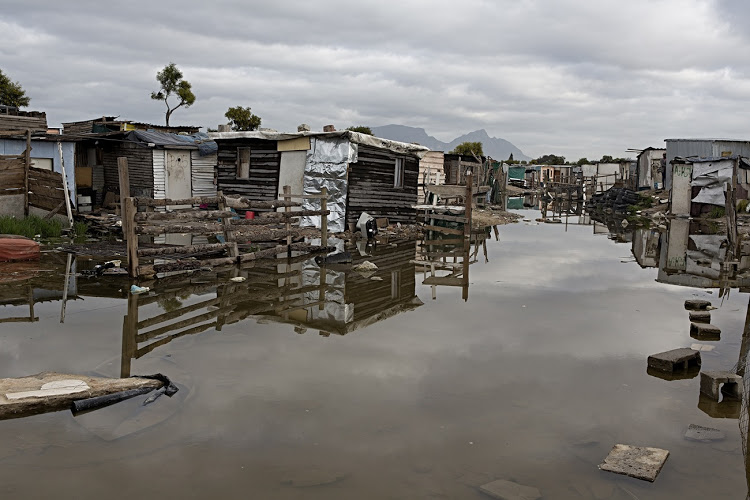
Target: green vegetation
550	160
717	212
468	149
362	129
80	229
30	226
742	205
242	119
11	93
171	82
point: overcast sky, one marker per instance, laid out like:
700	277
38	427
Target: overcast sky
570	77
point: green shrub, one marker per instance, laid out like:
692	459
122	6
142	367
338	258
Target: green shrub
716	212
742	205
30	226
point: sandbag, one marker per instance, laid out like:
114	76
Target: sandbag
18	248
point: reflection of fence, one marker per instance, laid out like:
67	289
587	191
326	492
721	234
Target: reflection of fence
277	228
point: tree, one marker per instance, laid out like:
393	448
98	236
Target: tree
242	119
510	158
606	159
551	160
11	93
582	161
171	82
362	129
468	149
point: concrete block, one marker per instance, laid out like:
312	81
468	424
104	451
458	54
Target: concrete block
675	360
508	490
697	304
727	408
704	331
700	316
715	383
329	128
635	461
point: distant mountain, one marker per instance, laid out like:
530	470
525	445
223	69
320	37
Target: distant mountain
497	148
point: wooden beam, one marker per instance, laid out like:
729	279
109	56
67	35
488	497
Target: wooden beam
27	164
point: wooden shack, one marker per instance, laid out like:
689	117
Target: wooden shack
362	173
160	165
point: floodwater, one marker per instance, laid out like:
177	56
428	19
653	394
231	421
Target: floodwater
380	390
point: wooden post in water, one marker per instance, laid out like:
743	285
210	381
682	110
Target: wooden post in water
128	221
26	165
468	203
65	184
129	332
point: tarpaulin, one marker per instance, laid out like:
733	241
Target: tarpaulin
712	177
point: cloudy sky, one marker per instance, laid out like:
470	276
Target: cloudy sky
570	77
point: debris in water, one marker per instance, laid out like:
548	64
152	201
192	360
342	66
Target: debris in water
706	434
238	279
702	347
135	289
365	266
508	490
635	461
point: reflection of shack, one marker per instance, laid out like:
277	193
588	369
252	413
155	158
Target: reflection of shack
22	285
297	292
362	173
698	260
700	184
646	247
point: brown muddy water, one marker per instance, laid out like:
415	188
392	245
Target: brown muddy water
379	390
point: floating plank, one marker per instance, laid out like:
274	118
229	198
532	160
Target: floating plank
445	281
48	391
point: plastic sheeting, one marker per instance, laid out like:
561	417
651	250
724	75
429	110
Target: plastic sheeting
712	177
326	166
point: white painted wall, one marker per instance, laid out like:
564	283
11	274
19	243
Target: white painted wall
292	171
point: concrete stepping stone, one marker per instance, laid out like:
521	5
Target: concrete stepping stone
716	383
508	490
704	331
697	304
705	434
700	316
675	360
635	461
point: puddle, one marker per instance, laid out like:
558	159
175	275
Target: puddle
527	364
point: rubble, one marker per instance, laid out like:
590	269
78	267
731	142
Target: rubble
704	331
716	383
697	304
700	316
705	434
675	360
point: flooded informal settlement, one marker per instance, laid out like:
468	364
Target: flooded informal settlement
319	315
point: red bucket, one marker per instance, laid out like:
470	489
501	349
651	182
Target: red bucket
249	215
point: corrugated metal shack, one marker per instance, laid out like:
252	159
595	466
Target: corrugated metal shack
362	173
702	148
650	168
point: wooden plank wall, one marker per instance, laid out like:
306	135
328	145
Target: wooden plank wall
45	189
11	175
371	186
34	121
265	159
139	167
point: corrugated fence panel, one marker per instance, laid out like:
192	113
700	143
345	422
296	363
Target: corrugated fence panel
160	186
204	174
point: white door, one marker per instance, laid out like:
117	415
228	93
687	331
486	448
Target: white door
178	182
178	187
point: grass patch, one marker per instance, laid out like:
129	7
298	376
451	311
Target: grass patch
742	205
80	229
717	212
30	226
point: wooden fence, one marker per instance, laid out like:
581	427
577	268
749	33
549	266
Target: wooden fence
275	228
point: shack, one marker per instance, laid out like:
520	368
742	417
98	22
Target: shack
45	187
699	184
160	165
701	148
456	167
362	173
650	168
431	172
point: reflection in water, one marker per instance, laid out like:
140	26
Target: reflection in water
331	299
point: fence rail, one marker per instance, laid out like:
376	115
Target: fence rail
277	229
